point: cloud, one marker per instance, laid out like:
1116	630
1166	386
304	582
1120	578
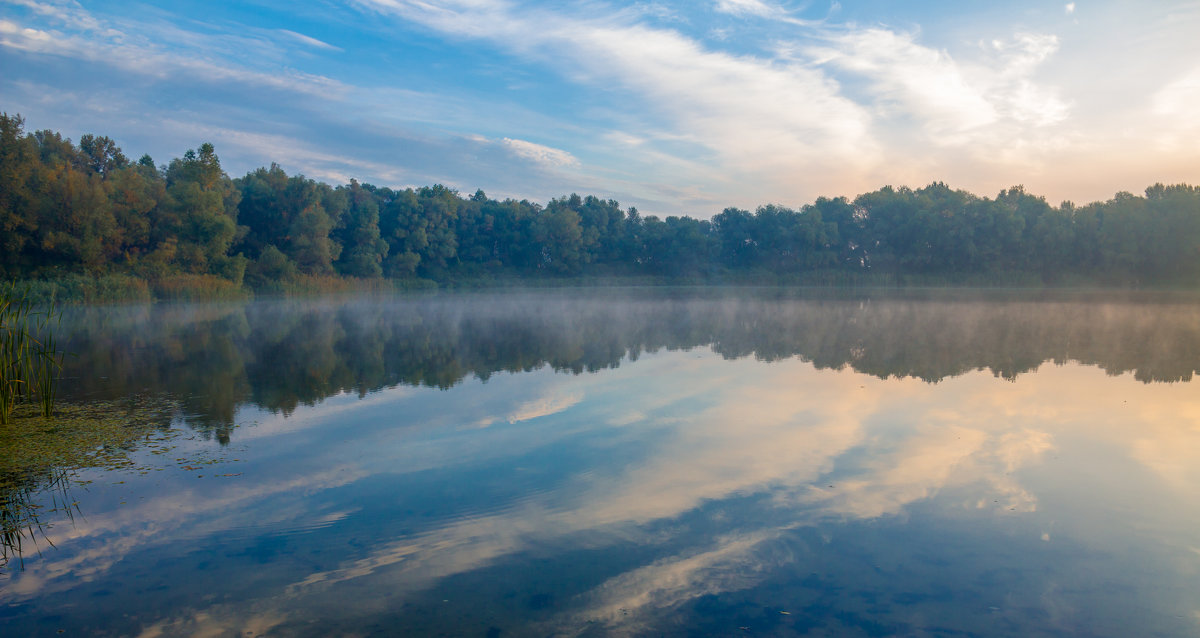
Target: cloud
747	113
1175	106
910	79
746	7
157	63
1013	90
544	156
759	9
1069	8
828	106
954	103
300	156
68	13
312	42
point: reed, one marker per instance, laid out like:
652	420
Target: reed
188	287
29	360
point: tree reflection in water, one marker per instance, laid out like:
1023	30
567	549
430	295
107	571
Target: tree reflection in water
281	354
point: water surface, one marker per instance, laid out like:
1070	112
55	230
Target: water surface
636	462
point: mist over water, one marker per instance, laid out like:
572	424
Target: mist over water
664	462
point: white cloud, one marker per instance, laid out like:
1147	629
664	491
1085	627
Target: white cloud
542	155
1014	91
955	103
908	79
758	8
307	40
67	13
154	62
1069	8
737	7
747	7
741	113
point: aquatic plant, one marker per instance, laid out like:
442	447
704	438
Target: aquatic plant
29	360
40	461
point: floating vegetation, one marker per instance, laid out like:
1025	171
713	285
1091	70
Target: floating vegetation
40	456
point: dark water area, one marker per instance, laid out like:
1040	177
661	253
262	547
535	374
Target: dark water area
634	462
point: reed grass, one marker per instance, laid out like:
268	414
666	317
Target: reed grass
188	287
318	285
79	288
29	360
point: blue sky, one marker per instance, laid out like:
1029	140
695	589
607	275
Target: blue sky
674	107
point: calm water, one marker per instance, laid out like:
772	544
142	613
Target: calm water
636	463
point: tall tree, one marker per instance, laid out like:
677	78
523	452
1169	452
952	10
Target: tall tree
363	249
198	221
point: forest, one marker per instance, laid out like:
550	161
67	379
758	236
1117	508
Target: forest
88	210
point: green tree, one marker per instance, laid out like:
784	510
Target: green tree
18	219
197	223
363	248
290	214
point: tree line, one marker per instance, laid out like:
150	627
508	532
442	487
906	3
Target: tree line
88	208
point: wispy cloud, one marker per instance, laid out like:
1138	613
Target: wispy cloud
761	9
158	62
741	111
310	41
67	13
299	155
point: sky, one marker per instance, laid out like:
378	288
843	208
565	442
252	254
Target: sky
673	107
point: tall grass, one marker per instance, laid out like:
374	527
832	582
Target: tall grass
318	285
188	287
63	288
29	360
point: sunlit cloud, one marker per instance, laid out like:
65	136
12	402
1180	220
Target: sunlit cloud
955	103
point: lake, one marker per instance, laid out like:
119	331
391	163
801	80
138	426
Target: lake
628	462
